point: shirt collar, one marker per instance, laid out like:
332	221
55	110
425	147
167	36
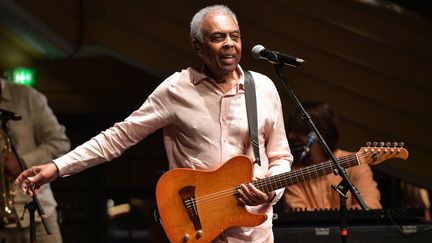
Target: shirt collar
197	77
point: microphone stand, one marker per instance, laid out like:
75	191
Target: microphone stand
34	205
345	185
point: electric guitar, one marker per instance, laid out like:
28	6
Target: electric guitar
198	205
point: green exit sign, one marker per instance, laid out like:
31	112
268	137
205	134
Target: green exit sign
23	76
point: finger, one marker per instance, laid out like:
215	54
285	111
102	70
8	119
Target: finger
37	179
242	195
258	193
21	177
248	196
29	188
259	197
24	183
242	202
243	199
245	190
26	187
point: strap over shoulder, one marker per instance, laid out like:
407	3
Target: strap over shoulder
252	115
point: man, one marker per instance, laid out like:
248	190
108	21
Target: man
39	138
203	115
317	193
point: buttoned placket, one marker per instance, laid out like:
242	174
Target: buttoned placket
225	105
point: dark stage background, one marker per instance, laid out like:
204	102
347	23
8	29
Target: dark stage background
98	60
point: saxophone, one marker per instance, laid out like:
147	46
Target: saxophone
7	211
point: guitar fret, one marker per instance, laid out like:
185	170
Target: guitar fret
301	175
323	169
298	176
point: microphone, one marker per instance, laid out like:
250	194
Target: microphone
260	52
9	115
310	140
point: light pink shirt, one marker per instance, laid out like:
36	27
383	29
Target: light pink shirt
203	127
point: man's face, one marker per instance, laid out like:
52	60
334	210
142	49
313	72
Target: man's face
221	46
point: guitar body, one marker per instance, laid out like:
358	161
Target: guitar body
216	207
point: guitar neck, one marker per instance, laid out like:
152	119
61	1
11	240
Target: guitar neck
304	174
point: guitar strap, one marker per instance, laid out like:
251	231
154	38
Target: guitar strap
252	116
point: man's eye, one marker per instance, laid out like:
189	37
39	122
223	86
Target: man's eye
218	38
235	37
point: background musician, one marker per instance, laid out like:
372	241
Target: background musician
317	193
38	137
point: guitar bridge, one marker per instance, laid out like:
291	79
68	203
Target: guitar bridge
187	194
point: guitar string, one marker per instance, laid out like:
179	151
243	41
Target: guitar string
296	174
313	168
294	177
231	191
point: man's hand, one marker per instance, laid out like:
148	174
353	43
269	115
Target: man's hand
34	177
251	196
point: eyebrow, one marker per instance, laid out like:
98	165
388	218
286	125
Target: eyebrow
224	32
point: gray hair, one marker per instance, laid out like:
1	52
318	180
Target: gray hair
197	20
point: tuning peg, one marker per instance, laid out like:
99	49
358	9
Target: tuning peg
368	144
388	144
385	144
401	144
395	144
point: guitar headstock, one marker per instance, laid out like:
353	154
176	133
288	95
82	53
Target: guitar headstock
376	153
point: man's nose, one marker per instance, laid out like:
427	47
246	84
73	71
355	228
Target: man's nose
228	42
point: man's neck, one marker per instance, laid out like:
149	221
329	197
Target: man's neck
227	82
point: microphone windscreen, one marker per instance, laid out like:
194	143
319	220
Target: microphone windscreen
256	50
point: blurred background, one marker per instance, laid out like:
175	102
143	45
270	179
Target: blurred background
98	60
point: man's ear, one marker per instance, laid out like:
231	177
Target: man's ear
196	45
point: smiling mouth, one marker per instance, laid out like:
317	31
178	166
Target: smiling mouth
228	58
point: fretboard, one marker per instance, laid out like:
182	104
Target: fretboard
304	174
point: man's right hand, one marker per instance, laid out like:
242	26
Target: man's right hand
37	176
